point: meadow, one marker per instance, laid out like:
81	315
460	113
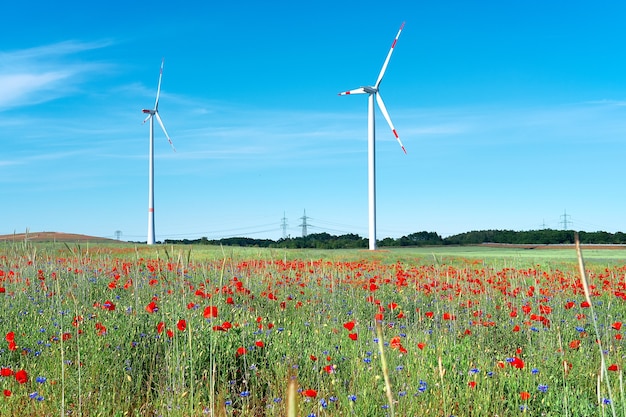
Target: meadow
123	330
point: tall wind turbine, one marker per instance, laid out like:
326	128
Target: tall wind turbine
152	114
373	91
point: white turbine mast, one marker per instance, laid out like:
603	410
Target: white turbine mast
152	114
373	91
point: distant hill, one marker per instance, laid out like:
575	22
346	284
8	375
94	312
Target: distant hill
53	237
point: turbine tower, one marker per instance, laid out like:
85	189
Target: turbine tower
373	91
152	114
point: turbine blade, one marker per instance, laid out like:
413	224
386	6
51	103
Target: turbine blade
383	110
147	118
156	102
359	90
384	68
164	131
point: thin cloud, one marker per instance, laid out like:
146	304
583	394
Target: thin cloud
36	75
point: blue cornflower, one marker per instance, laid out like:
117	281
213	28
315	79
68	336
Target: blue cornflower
244	394
352	397
543	388
41	379
474	371
422	386
534	371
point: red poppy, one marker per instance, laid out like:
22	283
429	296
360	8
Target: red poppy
471	384
190	306
108	305
430	314
392	306
395	342
378	317
10	337
181	325
574	344
7	392
353	336
543	309
313	358
613	368
421	345
569	304
517	363
170	333
617	325
524	395
329	369
516	328
21	376
309	393
448	316
585	304
210	312
241	351
6	371
349	325
152	307
229	300
259	343
160	326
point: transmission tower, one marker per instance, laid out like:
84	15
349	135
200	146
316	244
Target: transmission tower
303	224
118	234
565	222
284	225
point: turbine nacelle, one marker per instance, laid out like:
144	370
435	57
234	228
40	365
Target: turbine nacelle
370	90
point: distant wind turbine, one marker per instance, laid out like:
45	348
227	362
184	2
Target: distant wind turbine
152	114
371	137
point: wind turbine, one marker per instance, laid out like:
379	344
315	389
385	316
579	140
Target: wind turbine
371	138
152	114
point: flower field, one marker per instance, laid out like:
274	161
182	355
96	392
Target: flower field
126	332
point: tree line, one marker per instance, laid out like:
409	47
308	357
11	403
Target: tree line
354	241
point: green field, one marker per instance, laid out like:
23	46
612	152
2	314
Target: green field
125	330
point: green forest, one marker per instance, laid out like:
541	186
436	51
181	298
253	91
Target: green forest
353	241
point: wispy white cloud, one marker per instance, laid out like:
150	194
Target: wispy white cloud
36	75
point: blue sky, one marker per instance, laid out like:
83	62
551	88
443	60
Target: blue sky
512	114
